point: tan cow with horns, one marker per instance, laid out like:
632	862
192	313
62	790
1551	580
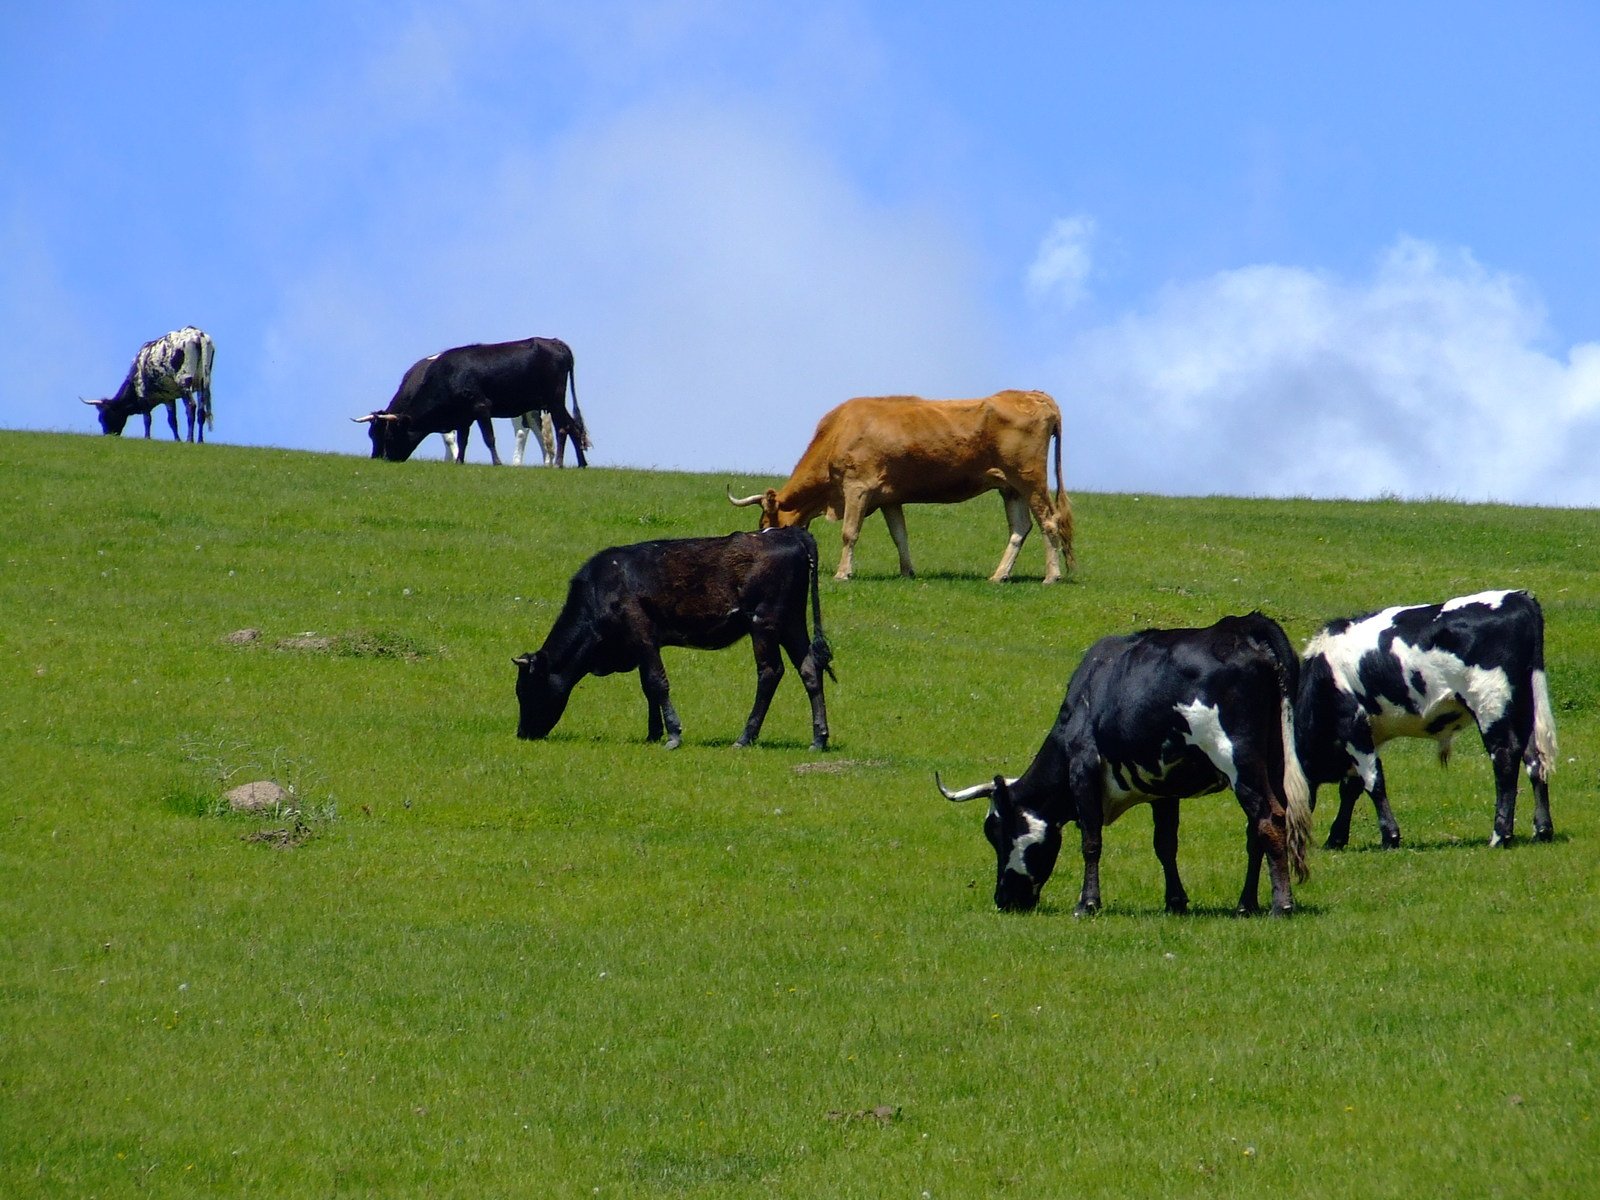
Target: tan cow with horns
882	452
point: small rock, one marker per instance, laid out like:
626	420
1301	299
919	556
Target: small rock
254	797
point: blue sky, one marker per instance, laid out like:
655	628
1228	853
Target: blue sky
1322	249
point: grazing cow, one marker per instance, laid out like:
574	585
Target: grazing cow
175	366
627	602
1156	717
1429	670
452	389
882	452
536	421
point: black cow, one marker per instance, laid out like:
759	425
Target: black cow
175	366
447	392
627	602
1156	717
1429	670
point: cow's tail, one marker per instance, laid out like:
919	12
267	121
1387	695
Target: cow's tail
1063	504
582	431
1297	797
208	352
1542	758
821	652
1296	789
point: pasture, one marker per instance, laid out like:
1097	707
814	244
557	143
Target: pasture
473	966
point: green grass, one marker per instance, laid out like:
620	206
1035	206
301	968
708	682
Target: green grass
587	966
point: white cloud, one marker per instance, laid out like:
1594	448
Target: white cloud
1429	378
1060	270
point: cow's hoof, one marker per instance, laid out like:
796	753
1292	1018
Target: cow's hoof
673	742
1179	909
819	744
1286	911
1333	844
1391	843
742	744
1085	910
1502	842
1247	910
1547	834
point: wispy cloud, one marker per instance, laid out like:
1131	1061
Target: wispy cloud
1060	270
1431	377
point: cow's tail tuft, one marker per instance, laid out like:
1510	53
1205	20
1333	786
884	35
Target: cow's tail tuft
1297	798
1542	762
821	652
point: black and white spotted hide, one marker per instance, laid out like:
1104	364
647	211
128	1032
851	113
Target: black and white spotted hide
1428	671
1154	718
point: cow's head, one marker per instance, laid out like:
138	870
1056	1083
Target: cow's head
391	434
772	516
541	695
1025	843
113	417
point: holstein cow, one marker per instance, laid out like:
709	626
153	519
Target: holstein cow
882	452
452	389
627	602
1429	670
175	366
1153	718
537	421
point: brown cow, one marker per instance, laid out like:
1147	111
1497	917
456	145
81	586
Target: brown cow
881	452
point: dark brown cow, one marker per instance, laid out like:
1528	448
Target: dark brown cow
882	452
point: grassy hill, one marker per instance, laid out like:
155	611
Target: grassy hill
477	966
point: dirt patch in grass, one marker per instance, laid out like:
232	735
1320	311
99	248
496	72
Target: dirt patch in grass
361	644
838	766
294	836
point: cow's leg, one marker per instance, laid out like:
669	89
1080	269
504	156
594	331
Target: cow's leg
855	511
565	428
1089	895
657	692
1539	776
459	446
895	518
798	649
1350	789
547	437
188	417
1166	845
172	417
521	432
147	423
486	427
1057	549
1507	759
1017	517
769	670
1388	827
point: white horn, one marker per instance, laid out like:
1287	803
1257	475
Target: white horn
366	420
92	403
971	793
747	501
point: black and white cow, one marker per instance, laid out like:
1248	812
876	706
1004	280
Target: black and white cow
1429	670
1154	718
536	421
454	388
626	603
176	366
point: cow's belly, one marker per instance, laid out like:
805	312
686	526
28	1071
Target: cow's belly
1127	785
1439	721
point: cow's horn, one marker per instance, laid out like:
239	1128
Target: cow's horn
92	403
972	793
366	420
747	501
387	416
